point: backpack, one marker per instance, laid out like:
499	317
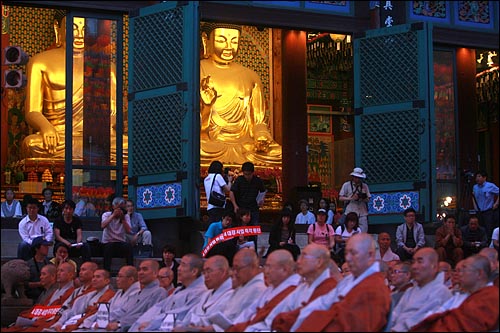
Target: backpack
327	226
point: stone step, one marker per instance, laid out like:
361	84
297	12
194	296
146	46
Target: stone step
10	312
10	239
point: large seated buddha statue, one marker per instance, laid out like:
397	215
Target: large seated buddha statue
233	127
45	105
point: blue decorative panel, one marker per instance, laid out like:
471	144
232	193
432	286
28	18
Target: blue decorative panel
477	14
330	6
433	11
393	202
159	196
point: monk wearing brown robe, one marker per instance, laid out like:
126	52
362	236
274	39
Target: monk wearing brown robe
279	272
100	282
85	275
478	312
360	303
313	264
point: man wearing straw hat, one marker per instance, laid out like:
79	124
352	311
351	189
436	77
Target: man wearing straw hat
355	194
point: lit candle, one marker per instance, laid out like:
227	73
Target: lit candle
61	178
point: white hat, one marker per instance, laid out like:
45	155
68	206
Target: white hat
358	172
322	211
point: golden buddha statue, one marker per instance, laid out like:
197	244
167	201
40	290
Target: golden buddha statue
45	105
233	128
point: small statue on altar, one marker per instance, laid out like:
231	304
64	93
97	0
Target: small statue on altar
233	127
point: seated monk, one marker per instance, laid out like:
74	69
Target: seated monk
58	293
85	280
279	271
313	266
86	306
360	303
478	312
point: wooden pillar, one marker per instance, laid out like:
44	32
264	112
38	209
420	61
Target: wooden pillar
467	108
4	155
294	109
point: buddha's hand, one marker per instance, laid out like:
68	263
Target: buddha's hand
50	138
207	91
262	144
263	138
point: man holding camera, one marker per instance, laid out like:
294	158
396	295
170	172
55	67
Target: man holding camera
115	225
355	194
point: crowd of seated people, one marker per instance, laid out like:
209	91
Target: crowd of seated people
280	293
125	233
426	289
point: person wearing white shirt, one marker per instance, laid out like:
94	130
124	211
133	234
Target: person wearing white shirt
343	233
11	207
494	239
217	182
32	226
305	216
355	194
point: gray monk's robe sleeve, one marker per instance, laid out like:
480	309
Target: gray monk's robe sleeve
209	302
140	303
180	302
243	297
79	306
116	305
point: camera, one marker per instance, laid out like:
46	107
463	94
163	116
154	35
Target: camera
226	171
468	175
362	196
124	211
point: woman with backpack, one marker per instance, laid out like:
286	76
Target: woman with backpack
344	232
320	232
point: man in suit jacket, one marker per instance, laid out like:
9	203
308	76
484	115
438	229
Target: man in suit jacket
409	236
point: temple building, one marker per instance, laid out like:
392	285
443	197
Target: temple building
137	98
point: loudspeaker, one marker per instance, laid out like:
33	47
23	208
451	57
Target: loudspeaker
14	78
14	55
